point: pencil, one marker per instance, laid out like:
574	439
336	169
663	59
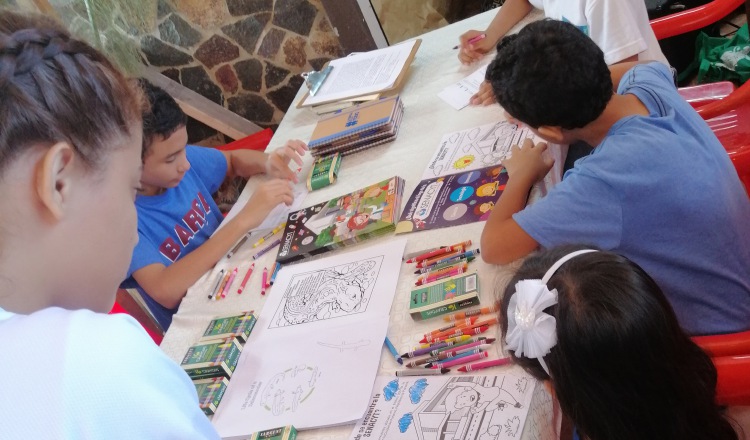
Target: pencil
216	286
237	246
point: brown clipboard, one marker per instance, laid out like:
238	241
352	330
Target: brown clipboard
396	85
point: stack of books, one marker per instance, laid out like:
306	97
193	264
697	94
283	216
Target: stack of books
357	128
366	213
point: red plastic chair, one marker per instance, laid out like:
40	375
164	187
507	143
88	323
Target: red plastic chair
125	302
256	141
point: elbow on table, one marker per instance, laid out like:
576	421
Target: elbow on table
492	249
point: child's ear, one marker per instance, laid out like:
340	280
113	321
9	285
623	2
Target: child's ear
552	134
54	174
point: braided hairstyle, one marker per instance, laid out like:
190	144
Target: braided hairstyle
54	88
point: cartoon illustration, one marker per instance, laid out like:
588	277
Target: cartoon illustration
341	347
336	291
285	391
483	210
488	189
478	398
476	148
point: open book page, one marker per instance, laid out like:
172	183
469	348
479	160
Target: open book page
363	73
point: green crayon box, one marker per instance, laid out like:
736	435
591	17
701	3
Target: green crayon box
324	172
444	296
222	327
283	433
217	358
210	392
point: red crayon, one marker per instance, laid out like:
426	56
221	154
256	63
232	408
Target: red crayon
467	321
464	326
473	331
434	260
485	364
468	313
459	361
247	277
440	274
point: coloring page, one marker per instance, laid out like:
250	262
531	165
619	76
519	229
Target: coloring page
448	407
476	148
323	380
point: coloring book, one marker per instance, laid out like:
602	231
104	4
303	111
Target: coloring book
366	213
448	407
453	200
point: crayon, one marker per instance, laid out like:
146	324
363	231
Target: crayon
436	267
275	272
441	274
417	253
467	321
462	327
222	285
484	345
440	251
430	372
215	290
453	340
448	257
472	331
437	351
469	352
237	246
469	313
269	235
463	360
267	248
247	277
393	351
263	282
486	364
229	283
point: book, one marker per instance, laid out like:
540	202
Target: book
284	433
363	214
223	327
444	296
356	122
452	200
210	392
364	140
217	358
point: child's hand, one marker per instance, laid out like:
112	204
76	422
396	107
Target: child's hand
277	164
485	95
528	162
472	52
267	196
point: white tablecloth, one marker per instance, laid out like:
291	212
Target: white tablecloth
426	119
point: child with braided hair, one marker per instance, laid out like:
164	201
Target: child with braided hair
70	165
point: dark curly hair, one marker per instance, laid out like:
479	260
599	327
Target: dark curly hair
162	116
622	367
551	74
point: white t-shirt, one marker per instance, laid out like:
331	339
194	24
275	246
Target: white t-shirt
84	375
619	27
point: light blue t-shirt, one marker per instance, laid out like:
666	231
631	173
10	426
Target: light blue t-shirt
661	191
85	375
179	220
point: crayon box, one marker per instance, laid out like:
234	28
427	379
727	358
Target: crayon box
444	296
210	392
217	358
284	433
222	327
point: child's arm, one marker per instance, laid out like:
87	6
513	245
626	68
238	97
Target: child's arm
167	285
509	14
245	163
503	240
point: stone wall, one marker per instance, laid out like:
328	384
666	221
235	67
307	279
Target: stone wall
245	55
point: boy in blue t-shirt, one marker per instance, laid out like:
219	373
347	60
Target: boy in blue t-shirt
658	188
176	213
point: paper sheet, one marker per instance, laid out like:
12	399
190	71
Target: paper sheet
325	321
277	214
476	148
458	95
448	407
363	73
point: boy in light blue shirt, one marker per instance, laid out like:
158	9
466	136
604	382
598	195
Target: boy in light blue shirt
658	188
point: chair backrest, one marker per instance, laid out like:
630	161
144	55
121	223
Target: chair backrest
693	18
733	380
131	302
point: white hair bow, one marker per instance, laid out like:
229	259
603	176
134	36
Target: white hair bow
531	332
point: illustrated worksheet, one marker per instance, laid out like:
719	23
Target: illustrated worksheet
476	148
314	352
448	407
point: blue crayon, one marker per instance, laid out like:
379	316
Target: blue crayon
393	351
275	271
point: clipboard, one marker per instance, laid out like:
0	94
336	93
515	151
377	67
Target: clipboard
396	84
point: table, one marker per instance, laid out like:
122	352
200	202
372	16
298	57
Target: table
426	120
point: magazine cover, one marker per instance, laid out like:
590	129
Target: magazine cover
453	200
368	212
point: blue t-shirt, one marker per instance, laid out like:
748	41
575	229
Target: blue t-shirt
85	375
662	191
173	223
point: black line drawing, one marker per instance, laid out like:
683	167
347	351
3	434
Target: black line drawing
287	390
343	345
333	292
